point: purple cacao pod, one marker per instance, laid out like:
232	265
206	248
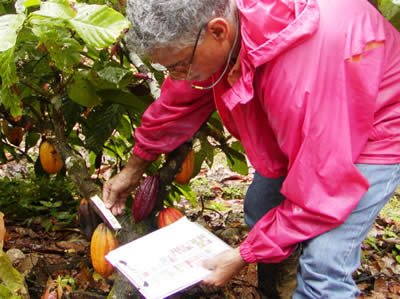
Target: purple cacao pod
145	198
88	219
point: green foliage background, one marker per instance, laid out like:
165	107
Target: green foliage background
70	56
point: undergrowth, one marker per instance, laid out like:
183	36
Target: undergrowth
52	200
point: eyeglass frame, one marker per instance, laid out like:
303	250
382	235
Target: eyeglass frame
190	63
194	52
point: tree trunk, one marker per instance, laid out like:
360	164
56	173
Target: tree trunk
78	173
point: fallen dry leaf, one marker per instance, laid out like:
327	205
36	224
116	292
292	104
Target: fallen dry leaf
380	285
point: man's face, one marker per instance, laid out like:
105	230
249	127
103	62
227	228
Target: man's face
199	62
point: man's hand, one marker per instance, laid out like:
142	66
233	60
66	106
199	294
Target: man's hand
223	266
117	189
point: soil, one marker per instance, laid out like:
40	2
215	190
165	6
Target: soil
57	263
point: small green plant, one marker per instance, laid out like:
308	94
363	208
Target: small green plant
218	206
233	192
392	208
54	200
201	187
66	282
396	252
373	242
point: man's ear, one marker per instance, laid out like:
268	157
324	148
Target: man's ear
218	28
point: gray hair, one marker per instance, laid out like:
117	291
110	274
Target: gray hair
157	24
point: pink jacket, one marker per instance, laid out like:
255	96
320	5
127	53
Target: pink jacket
312	100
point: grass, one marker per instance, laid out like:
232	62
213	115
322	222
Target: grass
392	208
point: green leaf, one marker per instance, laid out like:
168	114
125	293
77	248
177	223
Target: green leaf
207	150
236	160
187	192
174	195
215	121
124	128
11	278
19	6
5	292
82	91
59	10
31	140
8	71
64	50
101	122
30	3
113	74
99	25
9	26
391	11
140	104
199	158
72	113
10	101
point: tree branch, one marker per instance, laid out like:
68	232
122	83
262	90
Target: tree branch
155	89
36	88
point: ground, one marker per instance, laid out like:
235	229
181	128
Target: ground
59	261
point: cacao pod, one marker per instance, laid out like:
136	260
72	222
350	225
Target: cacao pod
145	198
15	136
102	242
186	169
88	219
168	215
49	159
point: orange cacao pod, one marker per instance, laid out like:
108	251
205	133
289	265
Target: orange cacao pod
49	159
168	216
103	241
88	219
145	198
186	169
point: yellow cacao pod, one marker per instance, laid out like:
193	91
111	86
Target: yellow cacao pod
102	242
49	159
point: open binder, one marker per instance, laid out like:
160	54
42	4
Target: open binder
167	260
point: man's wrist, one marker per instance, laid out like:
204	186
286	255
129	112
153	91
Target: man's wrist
239	259
137	163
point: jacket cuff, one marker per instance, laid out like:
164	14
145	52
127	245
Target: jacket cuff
245	252
144	155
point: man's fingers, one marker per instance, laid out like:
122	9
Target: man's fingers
106	195
208	264
213	281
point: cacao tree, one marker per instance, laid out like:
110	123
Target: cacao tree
67	79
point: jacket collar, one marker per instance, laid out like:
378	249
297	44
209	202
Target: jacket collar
268	28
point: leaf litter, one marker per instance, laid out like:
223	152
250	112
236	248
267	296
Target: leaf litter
57	263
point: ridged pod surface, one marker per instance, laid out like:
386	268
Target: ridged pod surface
186	169
102	242
88	219
49	159
168	215
145	198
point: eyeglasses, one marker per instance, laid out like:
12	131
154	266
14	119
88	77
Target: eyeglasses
170	69
174	73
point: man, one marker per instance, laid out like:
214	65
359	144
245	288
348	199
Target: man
312	89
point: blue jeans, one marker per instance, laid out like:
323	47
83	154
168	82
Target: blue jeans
328	261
